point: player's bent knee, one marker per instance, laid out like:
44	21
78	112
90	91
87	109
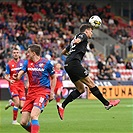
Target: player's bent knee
16	105
34	117
20	107
81	90
23	123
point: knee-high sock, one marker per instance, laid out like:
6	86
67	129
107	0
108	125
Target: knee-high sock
72	96
95	91
35	126
58	98
27	127
15	113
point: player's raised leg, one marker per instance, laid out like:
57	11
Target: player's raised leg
10	103
112	103
72	96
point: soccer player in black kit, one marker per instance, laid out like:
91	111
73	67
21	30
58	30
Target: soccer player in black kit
79	75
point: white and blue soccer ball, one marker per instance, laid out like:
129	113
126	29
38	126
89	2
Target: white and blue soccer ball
95	21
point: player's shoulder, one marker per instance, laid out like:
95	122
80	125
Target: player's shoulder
10	62
21	60
81	35
47	62
44	60
28	61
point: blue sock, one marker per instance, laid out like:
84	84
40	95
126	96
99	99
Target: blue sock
27	127
35	126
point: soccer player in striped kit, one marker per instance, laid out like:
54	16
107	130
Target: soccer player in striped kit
17	88
42	81
59	84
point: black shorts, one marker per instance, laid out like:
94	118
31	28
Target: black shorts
75	70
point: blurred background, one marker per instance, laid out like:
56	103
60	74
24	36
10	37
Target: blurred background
53	23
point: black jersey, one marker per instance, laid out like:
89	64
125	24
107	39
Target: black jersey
77	51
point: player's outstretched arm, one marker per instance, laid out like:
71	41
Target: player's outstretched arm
7	77
18	75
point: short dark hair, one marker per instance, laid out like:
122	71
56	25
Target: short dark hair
35	48
83	27
15	49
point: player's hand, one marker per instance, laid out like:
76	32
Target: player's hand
15	76
12	81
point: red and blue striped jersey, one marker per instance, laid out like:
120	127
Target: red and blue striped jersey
14	67
60	74
39	72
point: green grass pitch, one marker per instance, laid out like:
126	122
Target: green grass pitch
81	116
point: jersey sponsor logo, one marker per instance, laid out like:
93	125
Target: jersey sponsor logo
35	69
58	74
41	65
21	64
15	69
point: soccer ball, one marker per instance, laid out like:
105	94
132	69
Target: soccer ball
95	21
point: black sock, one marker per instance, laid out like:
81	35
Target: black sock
72	96
95	91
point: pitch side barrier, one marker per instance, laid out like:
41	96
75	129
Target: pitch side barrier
109	88
114	89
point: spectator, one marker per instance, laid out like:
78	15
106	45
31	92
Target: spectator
118	57
132	63
128	65
117	74
58	23
101	61
108	72
111	21
101	75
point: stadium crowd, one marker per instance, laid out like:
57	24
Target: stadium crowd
53	25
